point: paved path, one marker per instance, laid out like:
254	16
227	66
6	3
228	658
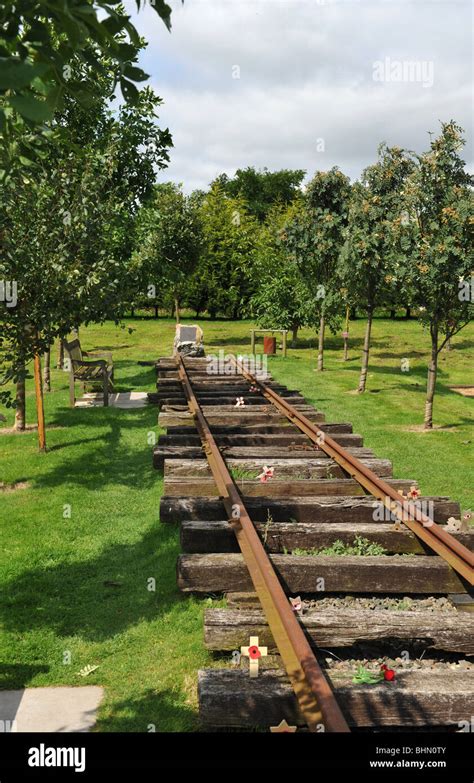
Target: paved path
50	709
118	400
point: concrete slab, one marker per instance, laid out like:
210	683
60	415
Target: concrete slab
118	400
60	709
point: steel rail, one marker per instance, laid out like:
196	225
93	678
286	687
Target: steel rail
444	544
316	699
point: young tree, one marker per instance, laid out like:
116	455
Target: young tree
439	200
370	262
281	298
66	235
169	240
315	238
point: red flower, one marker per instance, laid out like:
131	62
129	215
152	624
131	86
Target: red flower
254	653
388	674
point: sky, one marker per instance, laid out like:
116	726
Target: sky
305	84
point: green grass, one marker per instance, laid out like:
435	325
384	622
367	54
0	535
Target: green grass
361	546
148	645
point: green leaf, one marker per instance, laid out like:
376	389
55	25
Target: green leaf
136	74
15	75
129	91
163	10
31	108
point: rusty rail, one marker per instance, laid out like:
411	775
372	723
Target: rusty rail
444	544
316	699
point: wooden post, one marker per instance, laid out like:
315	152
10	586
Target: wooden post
285	332
39	404
252	341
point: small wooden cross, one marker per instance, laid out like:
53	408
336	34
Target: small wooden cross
283	728
253	652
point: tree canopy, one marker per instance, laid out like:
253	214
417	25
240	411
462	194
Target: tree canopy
262	189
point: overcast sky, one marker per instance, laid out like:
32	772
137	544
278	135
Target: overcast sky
320	82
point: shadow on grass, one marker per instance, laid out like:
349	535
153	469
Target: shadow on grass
162	710
111	347
98	598
143	379
112	460
19	675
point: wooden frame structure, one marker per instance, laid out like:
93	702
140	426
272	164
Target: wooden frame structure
283	332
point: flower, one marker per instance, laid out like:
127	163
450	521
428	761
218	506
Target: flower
296	604
265	474
414	493
239	402
388	674
254	653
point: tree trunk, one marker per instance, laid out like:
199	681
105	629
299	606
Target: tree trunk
60	364
294	335
408	312
449	347
365	353
393	314
156	311
176	309
346	335
20	410
321	345
47	371
431	384
353	314
346	349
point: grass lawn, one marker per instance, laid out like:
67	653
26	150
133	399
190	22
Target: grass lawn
76	588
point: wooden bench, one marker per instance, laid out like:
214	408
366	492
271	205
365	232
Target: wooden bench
98	371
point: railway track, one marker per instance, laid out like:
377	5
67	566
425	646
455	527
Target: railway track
253	541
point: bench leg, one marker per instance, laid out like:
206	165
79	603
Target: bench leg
72	398
105	383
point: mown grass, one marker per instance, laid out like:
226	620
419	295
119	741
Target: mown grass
79	585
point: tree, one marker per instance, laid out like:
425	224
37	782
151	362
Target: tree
223	275
315	238
262	189
370	262
41	41
169	239
281	298
67	234
439	201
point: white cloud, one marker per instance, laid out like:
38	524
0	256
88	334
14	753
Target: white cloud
306	73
